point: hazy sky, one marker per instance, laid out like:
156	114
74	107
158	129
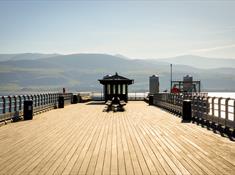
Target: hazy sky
137	29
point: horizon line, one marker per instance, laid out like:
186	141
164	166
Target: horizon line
117	55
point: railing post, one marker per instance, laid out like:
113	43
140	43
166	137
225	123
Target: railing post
53	98
226	110
3	105
35	100
15	105
38	100
32	97
193	106
28	110
219	107
47	99
50	98
213	105
44	99
207	105
9	100
41	100
20	102
198	104
151	100
234	116
24	97
187	110
61	102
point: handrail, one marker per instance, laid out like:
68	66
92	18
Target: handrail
12	105
217	110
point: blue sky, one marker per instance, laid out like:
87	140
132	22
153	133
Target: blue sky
136	29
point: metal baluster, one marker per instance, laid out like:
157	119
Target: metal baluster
193	106
213	106
3	105
20	103
226	110
219	107
49	98
219	111
15	105
207	108
234	116
203	107
52	95
38	100
9	103
35	100
198	103
44	96
32	98
41	100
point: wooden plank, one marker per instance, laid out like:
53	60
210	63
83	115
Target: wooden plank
126	150
81	139
114	157
101	157
94	157
79	149
120	151
137	159
54	162
108	148
39	164
133	156
143	150
85	156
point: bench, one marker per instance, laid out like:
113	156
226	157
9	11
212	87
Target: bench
122	103
115	105
108	106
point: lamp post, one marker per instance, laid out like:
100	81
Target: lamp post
171	78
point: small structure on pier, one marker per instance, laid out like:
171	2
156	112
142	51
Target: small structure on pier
186	86
115	86
153	84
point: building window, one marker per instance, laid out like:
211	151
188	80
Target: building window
119	89
123	89
108	88
114	89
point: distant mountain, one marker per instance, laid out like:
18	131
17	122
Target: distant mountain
81	72
200	62
25	56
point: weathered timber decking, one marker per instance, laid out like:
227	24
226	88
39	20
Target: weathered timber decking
81	139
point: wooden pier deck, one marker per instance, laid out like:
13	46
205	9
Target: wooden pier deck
81	139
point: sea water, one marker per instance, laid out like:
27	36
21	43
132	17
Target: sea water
222	94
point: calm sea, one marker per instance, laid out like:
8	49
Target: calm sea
222	94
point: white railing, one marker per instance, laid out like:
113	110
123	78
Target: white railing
216	110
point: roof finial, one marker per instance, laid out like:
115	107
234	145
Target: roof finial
116	73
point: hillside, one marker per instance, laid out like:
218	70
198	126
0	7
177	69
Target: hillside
81	72
25	56
200	62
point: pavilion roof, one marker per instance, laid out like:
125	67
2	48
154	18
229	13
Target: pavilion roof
115	78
